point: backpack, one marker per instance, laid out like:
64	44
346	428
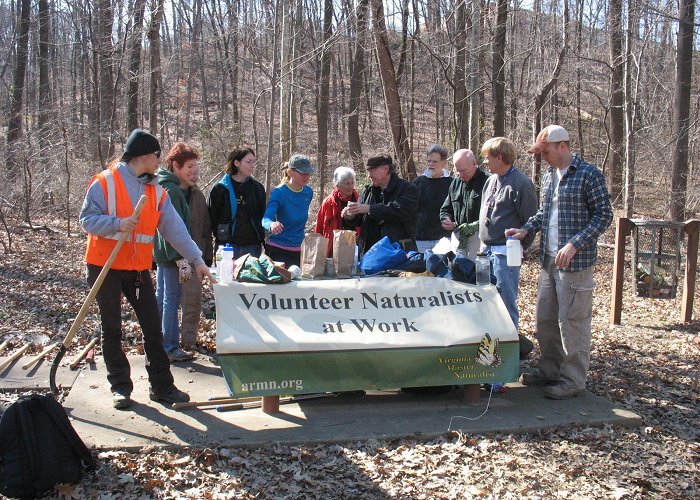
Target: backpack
39	448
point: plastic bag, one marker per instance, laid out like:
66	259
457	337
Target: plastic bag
382	256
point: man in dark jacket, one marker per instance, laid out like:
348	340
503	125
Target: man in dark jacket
387	207
460	210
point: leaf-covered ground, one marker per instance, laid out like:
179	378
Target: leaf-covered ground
650	365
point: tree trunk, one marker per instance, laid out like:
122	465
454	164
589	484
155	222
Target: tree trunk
631	77
404	42
542	95
45	106
499	70
613	168
322	116
356	79
285	82
14	124
132	115
681	109
460	102
474	71
105	24
391	92
273	97
156	77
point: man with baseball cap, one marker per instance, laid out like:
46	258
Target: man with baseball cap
574	211
387	207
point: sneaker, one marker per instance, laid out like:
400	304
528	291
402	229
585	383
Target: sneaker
561	391
180	355
120	401
535	378
174	395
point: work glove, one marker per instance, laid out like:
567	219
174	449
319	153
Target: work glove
184	270
464	231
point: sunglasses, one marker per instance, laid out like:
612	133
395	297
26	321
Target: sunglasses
157	153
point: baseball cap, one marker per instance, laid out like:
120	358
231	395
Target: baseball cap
301	164
551	133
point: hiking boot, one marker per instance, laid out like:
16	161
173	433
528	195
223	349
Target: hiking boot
180	355
535	378
561	391
174	395
120	401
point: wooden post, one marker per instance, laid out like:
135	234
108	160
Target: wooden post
471	393
622	230
271	404
692	229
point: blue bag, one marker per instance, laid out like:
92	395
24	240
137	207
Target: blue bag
381	256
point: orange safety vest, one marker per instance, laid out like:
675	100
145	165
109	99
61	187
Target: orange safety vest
137	252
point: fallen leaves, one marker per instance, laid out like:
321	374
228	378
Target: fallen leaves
650	365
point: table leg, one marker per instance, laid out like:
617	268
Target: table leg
471	393
271	404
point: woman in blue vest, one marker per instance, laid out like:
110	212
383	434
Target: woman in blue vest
237	205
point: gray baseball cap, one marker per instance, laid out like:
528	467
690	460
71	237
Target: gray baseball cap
301	164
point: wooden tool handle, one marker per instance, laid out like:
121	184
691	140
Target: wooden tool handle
14	356
100	278
39	356
74	364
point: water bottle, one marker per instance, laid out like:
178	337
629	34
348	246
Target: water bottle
483	269
217	260
227	264
514	252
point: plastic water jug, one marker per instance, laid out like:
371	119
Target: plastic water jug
514	252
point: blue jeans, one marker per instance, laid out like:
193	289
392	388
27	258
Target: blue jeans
168	297
507	279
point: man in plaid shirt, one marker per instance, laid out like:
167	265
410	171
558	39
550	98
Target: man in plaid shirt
574	211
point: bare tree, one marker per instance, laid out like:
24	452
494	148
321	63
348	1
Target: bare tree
391	92
45	101
681	109
105	23
323	91
132	95
499	70
613	168
542	96
356	80
156	75
460	101
14	125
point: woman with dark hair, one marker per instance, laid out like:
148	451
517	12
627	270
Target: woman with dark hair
172	268
237	205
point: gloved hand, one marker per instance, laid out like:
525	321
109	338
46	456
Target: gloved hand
184	270
464	231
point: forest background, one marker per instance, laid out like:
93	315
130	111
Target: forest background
340	79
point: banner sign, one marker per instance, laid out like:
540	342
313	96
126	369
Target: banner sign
362	333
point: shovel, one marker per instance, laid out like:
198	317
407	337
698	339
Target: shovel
88	301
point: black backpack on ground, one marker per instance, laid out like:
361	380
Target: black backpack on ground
39	448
